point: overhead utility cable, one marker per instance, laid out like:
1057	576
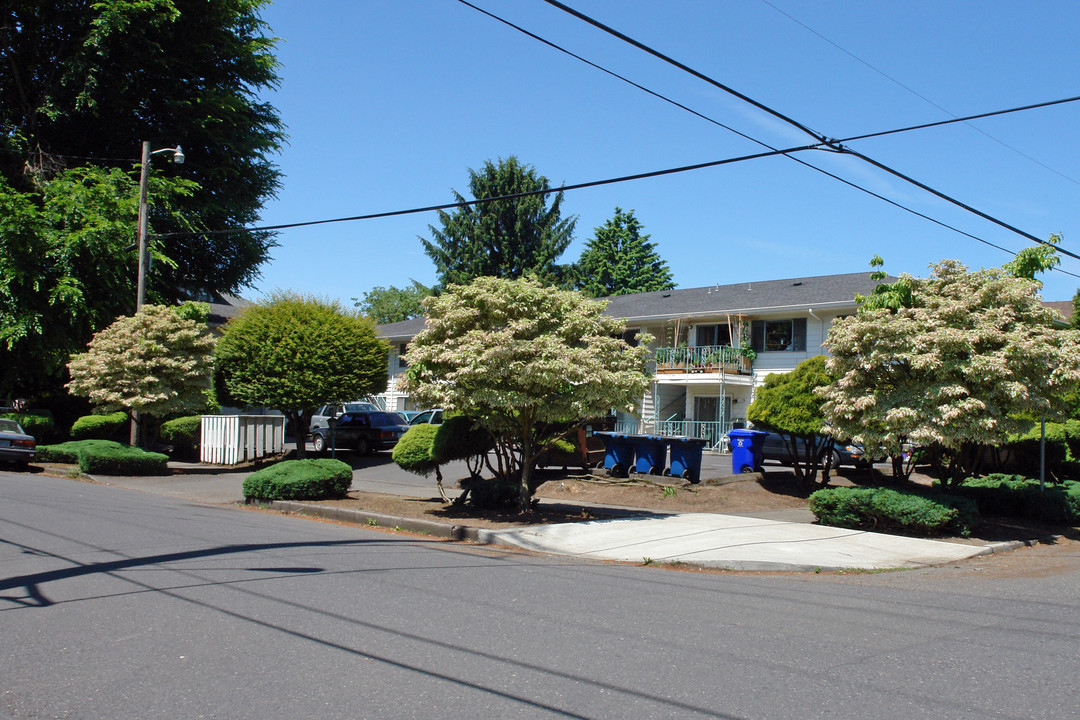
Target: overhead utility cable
922	97
775	113
770	147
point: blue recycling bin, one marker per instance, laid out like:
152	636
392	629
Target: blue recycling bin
651	452
686	458
746	449
618	453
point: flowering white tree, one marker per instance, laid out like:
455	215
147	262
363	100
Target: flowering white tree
156	363
972	358
528	361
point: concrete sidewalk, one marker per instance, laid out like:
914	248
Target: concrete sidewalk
734	542
781	540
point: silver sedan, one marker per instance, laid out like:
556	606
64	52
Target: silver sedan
15	445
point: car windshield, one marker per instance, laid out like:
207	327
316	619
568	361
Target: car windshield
10	426
382	419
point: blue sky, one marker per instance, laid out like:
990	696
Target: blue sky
389	103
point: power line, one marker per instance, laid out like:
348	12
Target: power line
917	94
764	144
792	121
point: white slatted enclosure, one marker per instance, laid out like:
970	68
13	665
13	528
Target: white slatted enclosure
233	439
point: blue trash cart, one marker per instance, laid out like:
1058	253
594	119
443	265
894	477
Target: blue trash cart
686	458
746	450
618	453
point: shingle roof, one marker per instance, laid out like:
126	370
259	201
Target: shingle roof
748	297
752	297
1065	307
404	330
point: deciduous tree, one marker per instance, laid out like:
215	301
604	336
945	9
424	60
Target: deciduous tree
390	305
156	363
85	82
509	238
973	356
294	353
527	361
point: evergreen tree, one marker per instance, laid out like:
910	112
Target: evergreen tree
620	260
509	238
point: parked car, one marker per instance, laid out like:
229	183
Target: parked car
319	421
409	414
363	430
775	448
15	444
433	417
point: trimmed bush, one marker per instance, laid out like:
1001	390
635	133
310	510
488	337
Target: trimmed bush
123	460
182	432
1017	496
460	438
105	457
100	427
887	510
68	452
413	451
38	423
309	479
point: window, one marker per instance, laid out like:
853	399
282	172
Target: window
401	355
710	335
631	337
778	335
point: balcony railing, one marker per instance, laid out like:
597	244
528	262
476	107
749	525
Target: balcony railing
704	359
712	432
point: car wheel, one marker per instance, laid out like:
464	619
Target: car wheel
363	447
319	442
835	460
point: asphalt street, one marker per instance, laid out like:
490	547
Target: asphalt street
115	603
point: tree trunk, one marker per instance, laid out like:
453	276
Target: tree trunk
527	461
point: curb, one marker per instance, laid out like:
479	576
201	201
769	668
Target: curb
480	536
363	517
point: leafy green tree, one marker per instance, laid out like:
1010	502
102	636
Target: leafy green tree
788	404
67	268
1031	261
155	363
84	83
295	353
528	362
1074	321
619	260
390	305
509	238
974	356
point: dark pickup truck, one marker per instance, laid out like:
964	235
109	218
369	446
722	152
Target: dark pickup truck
365	431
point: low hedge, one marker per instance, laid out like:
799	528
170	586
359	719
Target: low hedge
99	427
123	460
68	452
105	457
182	432
887	510
39	423
1018	496
308	479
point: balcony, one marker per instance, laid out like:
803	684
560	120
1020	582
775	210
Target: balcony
706	359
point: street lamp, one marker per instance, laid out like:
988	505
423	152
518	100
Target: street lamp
140	292
144	178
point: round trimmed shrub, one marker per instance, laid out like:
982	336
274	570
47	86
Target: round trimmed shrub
100	427
308	479
183	432
414	451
